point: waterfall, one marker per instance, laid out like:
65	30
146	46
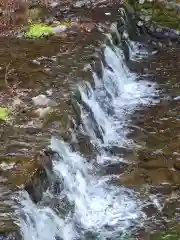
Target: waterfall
93	206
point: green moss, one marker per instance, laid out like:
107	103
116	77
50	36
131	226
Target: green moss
38	31
167	235
165	20
146	5
158	14
4	114
170	236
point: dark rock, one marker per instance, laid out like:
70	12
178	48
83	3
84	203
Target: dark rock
40	183
150	210
176	164
99	131
44	158
10	236
57	186
37	185
162	32
84	145
158	19
126	50
171	208
58	238
41	179
32	130
115	168
77	111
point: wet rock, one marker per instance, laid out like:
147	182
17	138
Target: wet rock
155	163
134	178
16	102
124	152
31	174
37	185
150	210
8	228
42	113
98	130
115	168
58	238
159	18
164	189
77	111
57	187
161	32
41	179
43	100
84	145
10	236
171	208
176	164
55	184
44	158
33	130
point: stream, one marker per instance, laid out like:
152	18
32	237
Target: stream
100	208
115	165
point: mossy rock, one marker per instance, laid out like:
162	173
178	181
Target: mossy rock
37	31
4	114
170	236
158	13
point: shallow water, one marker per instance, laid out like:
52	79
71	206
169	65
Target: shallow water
118	161
99	209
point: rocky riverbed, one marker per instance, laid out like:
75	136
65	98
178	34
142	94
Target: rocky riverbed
38	82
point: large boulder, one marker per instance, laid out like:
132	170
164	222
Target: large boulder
29	174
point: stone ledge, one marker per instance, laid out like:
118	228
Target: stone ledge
160	18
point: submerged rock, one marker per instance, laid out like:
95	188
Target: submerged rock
11	236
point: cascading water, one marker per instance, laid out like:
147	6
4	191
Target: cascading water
118	91
94	207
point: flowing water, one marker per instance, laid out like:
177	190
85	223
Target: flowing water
95	207
109	189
